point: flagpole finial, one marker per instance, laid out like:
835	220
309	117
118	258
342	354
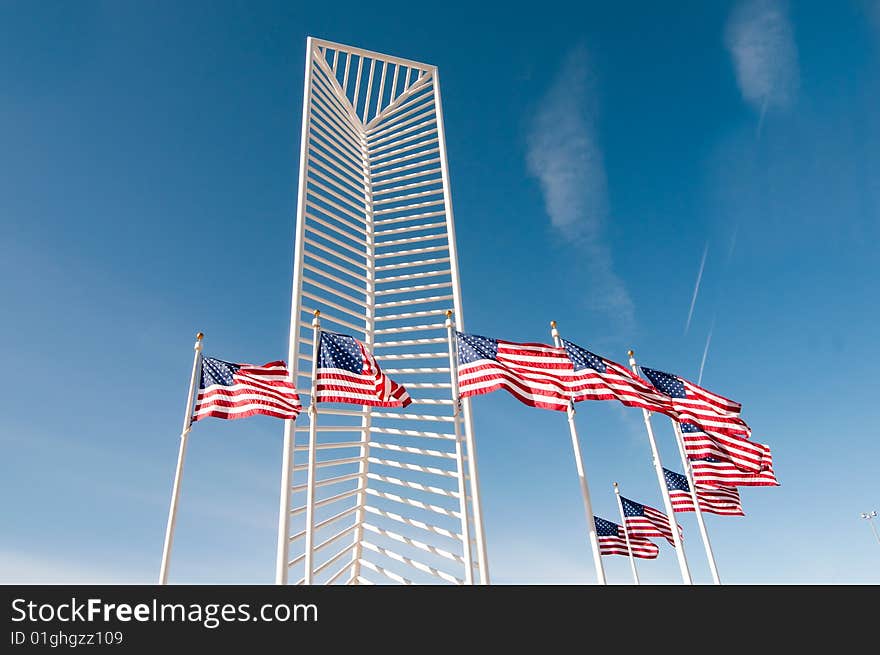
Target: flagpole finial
553	324
448	313
630	353
317	313
199	336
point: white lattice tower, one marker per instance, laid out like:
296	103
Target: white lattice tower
391	495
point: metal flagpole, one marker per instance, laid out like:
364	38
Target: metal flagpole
689	474
632	560
582	478
661	480
462	489
313	440
175	490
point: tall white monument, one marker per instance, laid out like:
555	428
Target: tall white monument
379	495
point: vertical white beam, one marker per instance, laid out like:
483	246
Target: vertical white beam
369	90
689	474
482	555
459	455
369	339
592	537
281	557
661	480
313	442
632	560
181	455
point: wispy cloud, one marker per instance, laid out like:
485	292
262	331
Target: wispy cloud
706	352
761	42
565	156
687	325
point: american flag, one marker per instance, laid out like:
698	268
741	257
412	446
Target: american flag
713	413
712	472
348	373
612	541
715	500
531	372
644	521
745	455
228	390
597	378
700	447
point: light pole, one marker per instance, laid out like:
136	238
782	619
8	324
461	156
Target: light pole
870	516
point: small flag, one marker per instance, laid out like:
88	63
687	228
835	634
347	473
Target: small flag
597	378
715	500
231	391
644	521
713	413
745	455
711	472
531	372
612	541
348	373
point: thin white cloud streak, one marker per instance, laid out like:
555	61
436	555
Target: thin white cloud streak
733	241
565	156
761	42
687	325
706	353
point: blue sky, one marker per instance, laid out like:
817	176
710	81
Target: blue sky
149	156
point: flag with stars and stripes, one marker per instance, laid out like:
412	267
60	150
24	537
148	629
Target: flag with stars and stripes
743	454
531	372
348	373
723	501
612	541
230	391
597	378
644	521
713	413
712	472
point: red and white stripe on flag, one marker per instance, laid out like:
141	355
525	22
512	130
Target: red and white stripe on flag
233	391
724	501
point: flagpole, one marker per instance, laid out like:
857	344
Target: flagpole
313	439
181	455
689	474
582	478
459	456
664	491
632	560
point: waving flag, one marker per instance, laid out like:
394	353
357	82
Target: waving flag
348	373
715	500
231	391
644	521
612	541
711	472
531	372
597	378
713	413
745	455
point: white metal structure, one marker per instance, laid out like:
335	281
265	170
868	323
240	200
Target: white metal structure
378	495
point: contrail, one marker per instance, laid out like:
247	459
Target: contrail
761	118
706	352
687	326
